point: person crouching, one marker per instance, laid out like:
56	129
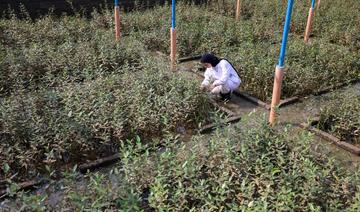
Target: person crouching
221	78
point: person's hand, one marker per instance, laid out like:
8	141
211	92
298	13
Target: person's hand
211	87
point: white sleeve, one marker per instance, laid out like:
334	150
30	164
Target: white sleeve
225	74
206	81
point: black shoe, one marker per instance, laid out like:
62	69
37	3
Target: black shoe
225	96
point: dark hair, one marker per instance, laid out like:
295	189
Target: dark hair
210	58
213	60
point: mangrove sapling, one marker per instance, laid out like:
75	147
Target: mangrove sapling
235	169
88	120
342	117
253	48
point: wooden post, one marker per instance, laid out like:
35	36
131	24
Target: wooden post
308	25
173	48
173	36
117	23
238	9
279	74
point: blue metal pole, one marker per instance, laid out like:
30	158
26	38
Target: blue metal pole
173	15
116	2
286	33
313	4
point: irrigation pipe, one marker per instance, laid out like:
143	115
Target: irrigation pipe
331	138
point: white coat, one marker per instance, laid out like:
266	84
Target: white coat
223	77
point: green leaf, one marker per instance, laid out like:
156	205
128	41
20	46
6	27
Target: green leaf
6	168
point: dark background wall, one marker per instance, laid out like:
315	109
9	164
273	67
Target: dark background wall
38	7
